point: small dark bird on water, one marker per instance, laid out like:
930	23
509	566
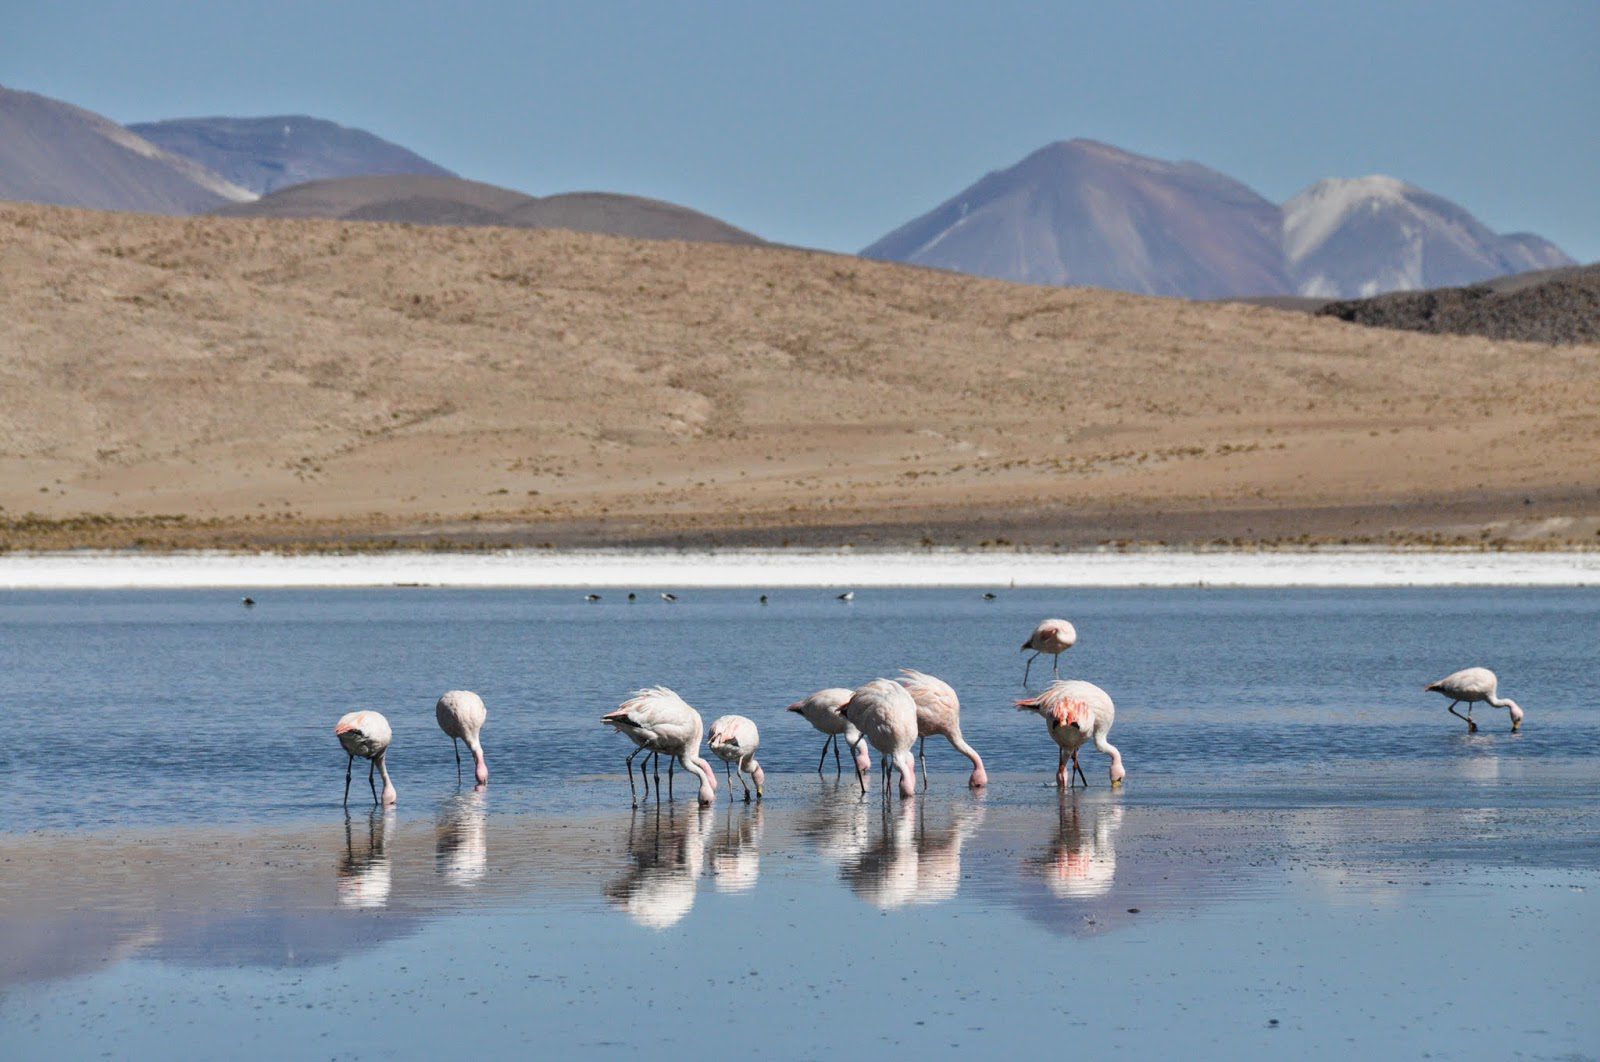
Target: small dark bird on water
248	602
591	598
848	595
633	597
763	599
988	597
669	598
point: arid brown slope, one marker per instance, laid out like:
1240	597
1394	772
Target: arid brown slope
300	382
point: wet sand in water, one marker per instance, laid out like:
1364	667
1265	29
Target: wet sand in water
1399	909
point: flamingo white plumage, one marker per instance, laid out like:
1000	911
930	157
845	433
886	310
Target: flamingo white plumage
461	716
1053	636
666	724
1076	712
821	710
939	712
887	717
367	734
734	738
1472	685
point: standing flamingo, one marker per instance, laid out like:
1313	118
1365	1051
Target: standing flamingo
939	712
821	710
1076	712
735	739
461	715
667	724
1472	685
887	716
1053	636
366	734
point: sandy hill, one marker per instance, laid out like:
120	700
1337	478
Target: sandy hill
216	380
418	200
266	154
53	152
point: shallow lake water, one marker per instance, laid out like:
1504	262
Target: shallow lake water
1309	856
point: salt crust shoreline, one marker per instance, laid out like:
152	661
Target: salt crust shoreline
799	568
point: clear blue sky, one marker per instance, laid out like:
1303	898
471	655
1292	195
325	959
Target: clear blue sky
828	123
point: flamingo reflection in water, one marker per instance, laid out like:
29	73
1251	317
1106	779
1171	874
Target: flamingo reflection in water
736	850
1081	863
461	844
910	862
666	853
364	876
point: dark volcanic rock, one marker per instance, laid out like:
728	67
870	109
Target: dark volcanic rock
1558	306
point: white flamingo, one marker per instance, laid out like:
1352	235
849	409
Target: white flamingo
1053	636
821	710
366	734
939	712
1076	712
1472	685
887	717
461	715
667	724
734	738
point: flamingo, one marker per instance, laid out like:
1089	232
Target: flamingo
735	739
461	715
1472	685
366	734
821	710
668	725
1075	712
887	716
1053	636
939	712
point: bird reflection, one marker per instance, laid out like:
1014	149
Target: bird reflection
1082	861
364	876
666	850
911	862
736	849
461	845
838	825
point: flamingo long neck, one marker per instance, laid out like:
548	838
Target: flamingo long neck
1507	702
482	765
702	770
389	794
979	775
1117	771
907	765
753	769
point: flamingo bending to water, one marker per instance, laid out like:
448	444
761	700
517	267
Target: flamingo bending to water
887	716
367	734
735	739
821	710
1472	685
1053	636
461	715
666	724
939	712
1075	713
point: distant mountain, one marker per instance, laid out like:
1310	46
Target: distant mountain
453	201
53	152
1082	212
1352	238
266	154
